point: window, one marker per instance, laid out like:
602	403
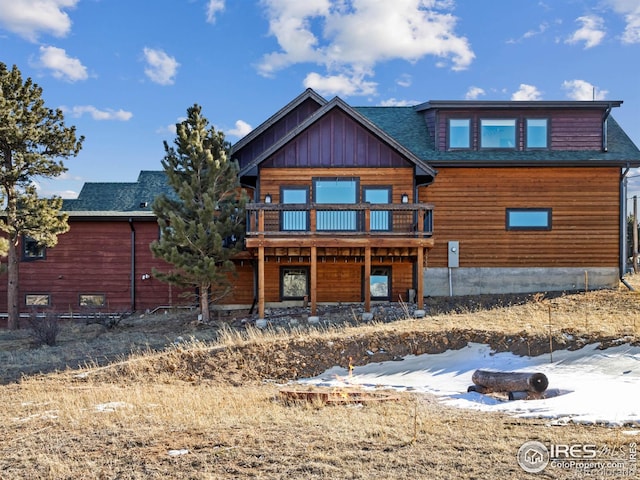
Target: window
294	220
459	133
528	219
537	133
37	300
380	220
338	190
92	300
294	283
498	133
380	283
32	250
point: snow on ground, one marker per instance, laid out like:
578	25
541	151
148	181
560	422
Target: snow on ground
585	386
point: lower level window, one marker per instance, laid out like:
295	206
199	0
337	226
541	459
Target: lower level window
92	300
528	219
294	283
37	300
380	283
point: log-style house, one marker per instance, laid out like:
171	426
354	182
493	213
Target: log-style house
365	204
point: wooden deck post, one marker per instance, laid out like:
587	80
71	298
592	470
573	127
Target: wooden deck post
420	278
314	280
261	265
367	279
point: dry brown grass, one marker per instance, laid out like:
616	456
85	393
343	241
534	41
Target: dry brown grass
212	401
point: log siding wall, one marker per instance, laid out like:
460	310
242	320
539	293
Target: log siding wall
339	279
400	179
471	203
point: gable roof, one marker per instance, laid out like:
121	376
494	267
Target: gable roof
304	96
337	103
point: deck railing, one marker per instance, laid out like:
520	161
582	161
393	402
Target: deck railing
403	219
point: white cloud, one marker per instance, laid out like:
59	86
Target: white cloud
583	90
631	11
108	114
392	102
341	84
161	68
30	18
404	80
526	92
62	66
213	8
591	33
349	37
543	27
473	93
241	129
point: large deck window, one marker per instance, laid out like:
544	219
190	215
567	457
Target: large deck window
336	190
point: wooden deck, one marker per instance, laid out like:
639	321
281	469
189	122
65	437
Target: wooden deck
360	230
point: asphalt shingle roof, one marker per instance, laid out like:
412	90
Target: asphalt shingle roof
406	126
120	197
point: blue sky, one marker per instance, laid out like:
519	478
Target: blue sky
125	71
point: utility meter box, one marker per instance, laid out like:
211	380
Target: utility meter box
454	254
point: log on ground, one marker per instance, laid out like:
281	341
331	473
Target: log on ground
510	381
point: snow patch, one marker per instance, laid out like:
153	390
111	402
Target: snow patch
590	385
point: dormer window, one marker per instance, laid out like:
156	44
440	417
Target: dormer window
537	130
498	133
459	133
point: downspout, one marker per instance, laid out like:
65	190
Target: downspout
623	228
133	265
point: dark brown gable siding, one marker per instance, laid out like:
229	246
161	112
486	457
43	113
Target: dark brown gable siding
569	129
336	140
276	131
576	131
470	206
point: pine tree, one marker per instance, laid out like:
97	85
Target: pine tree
33	140
202	221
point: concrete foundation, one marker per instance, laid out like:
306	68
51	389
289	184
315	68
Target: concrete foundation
476	281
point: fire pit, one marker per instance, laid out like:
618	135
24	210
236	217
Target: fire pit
336	396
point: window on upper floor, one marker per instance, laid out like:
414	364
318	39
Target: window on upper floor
528	219
498	133
294	220
32	250
380	219
537	132
459	133
337	191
